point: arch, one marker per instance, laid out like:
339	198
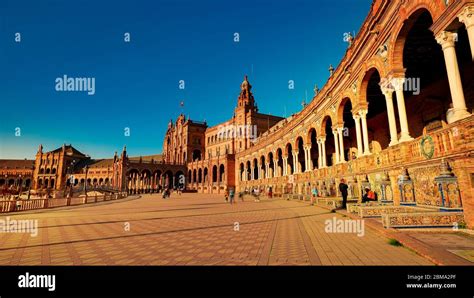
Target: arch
405	22
196	155
279	163
214	174
340	109
364	85
301	156
221	173
249	171
205	175
241	171
271	166
199	179
168	179
312	139
289	155
255	169
194	176
327	117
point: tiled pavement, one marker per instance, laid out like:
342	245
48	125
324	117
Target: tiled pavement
195	229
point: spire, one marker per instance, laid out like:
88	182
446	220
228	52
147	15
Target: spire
40	148
246	97
124	152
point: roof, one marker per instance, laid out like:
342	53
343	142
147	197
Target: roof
70	150
16	163
147	158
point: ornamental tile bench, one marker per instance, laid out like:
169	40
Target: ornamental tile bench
423	219
378	211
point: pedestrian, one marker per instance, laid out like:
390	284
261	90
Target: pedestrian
231	195
226	195
314	194
343	189
270	192
257	194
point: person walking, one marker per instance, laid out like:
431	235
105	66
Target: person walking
343	189
257	194
231	196
314	194
226	195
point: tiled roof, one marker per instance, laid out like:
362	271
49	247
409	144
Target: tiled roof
16	163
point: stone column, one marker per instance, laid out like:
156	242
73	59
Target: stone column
459	110
365	132
336	145
323	152
467	17
296	164
285	165
309	163
398	83
360	151
341	144
252	172
388	93
267	170
320	159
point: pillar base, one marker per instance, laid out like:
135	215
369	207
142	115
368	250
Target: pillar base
393	143
454	115
405	138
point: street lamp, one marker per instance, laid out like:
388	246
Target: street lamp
31	181
86	169
20	188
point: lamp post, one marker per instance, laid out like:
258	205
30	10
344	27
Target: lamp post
31	181
71	178
20	182
86	169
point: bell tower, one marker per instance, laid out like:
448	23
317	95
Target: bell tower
246	100
243	115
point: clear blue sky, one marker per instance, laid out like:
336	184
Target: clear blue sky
137	83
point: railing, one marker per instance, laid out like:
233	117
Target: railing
32	204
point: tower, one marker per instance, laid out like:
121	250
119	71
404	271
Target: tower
244	111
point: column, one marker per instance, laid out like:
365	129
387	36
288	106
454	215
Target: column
365	132
285	165
359	135
467	17
309	163
296	164
252	172
323	147
459	110
336	145
320	158
398	83
341	144
267	170
388	93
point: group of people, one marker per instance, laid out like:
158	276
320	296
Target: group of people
368	196
167	191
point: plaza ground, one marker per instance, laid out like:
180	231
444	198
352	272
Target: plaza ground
196	229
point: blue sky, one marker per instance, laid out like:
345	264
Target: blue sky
137	82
